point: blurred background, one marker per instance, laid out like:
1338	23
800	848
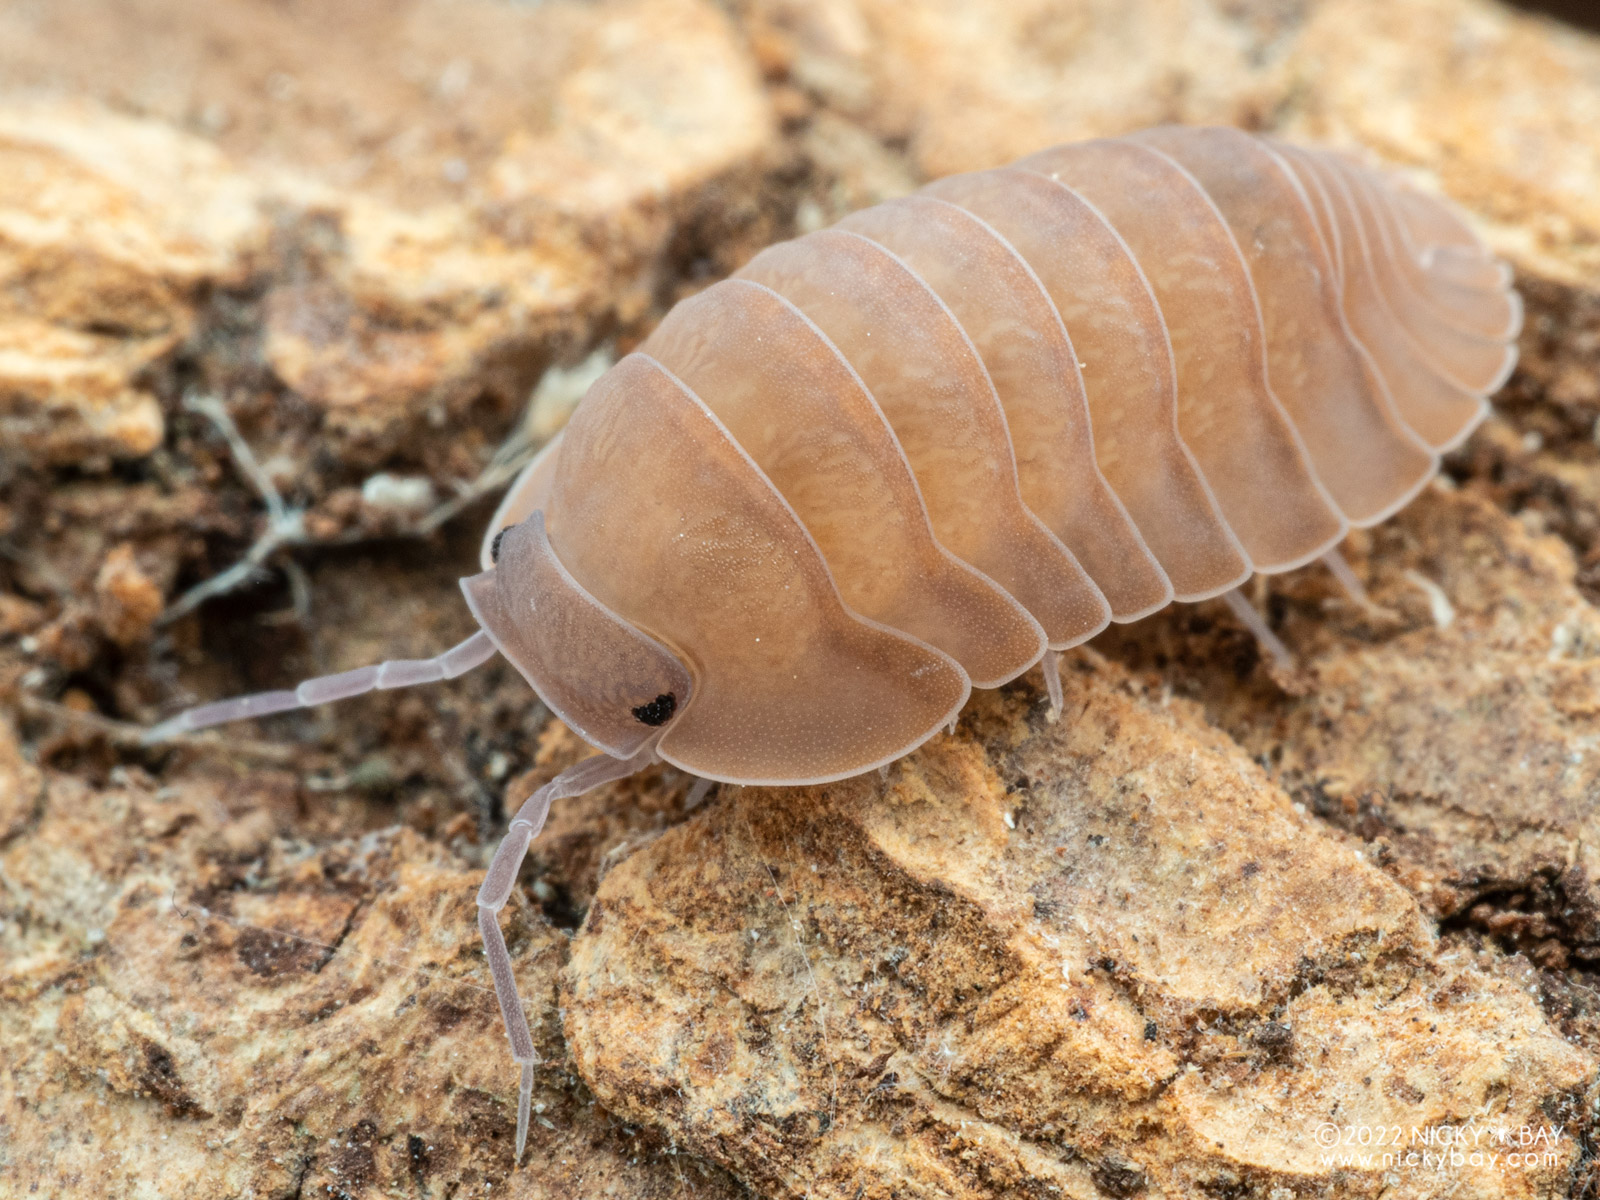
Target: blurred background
290	288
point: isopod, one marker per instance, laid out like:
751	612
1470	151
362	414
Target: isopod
929	447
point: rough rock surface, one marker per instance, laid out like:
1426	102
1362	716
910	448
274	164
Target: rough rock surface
284	277
1043	961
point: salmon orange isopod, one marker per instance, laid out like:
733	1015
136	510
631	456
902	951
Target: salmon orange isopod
928	448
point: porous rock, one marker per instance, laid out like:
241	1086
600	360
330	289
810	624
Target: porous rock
109	228
1093	957
226	1012
432	203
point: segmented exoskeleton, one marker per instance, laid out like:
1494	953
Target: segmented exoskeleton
929	447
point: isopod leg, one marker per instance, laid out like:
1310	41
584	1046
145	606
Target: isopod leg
1353	587
1050	664
1341	571
496	891
1254	622
697	793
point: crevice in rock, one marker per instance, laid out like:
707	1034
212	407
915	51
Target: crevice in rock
1552	916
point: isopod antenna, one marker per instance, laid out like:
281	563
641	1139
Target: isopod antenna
396	673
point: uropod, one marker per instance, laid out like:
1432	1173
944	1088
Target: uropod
931	446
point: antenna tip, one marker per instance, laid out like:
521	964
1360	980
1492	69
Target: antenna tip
163	732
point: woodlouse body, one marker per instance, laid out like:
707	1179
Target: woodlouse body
924	449
912	452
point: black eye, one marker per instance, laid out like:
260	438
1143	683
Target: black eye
494	546
659	711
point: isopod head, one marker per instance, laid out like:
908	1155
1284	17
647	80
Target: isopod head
612	684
